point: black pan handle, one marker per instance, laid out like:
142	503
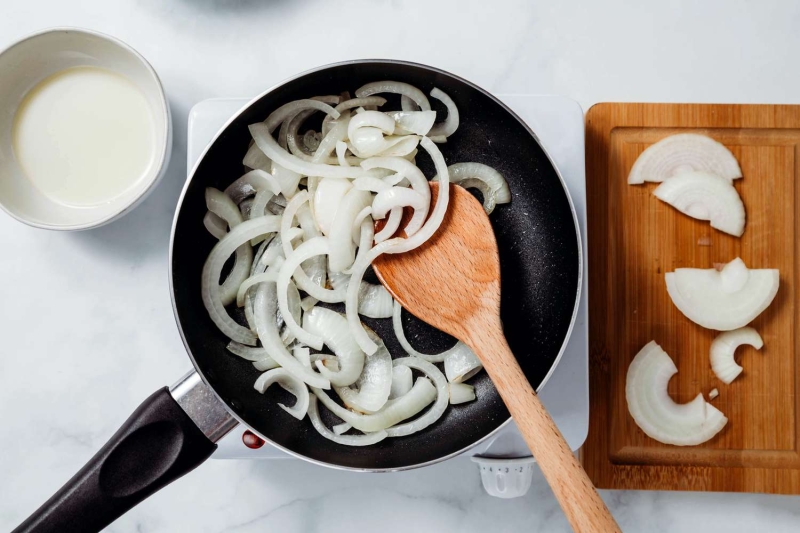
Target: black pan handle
170	434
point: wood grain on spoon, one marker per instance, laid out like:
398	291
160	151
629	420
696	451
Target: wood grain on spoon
452	282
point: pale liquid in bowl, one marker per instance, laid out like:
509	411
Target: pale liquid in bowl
84	136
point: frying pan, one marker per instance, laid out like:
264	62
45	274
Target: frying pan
176	429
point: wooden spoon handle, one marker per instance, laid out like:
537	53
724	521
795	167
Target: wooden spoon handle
581	503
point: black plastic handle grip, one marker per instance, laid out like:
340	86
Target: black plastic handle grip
158	444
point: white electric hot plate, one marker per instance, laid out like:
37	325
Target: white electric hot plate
503	458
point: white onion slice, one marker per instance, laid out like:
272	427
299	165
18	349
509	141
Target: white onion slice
373	385
374	301
705	196
252	353
256	159
341	153
327	198
654	411
331	328
215	225
722	350
461	363
396	87
461	393
290	384
265	364
458	349
699	294
369	142
370	183
399	197
402	381
279	156
371	101
287	111
308	303
713	393
342	428
420	396
391	226
439	210
348	440
450	125
265	308
370	119
212	300
253	280
496	189
251	183
222	206
681	153
413	122
436	410
288	179
302	354
342	247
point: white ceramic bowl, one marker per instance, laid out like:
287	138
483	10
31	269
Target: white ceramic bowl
29	61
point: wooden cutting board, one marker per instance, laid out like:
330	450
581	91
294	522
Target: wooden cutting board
634	239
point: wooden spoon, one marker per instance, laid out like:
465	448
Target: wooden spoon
452	282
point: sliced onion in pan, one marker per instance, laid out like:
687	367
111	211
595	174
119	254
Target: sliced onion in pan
270	147
399	197
348	440
461	363
255	159
461	393
422	394
396	87
331	327
290	384
391	226
495	190
211	291
436	410
370	183
450	125
374	301
265	307
253	280
413	122
397	324
342	428
373	385
365	240
250	184
402	381
342	247
215	225
250	353
327	199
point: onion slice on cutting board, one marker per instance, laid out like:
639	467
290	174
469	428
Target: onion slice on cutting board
723	347
707	297
656	413
685	152
705	196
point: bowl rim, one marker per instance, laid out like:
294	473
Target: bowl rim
163	161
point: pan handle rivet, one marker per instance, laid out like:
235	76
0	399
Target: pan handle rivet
251	440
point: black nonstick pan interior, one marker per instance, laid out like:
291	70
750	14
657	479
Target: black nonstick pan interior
539	253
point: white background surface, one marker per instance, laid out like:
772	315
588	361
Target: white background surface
86	322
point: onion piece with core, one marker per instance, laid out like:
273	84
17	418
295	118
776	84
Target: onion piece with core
722	351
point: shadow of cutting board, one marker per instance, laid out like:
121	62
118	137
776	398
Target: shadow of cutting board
634	239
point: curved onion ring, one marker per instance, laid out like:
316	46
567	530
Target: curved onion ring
450	125
402	381
396	87
373	385
222	206
251	183
349	440
212	269
331	327
495	190
265	308
290	384
722	350
420	396
251	353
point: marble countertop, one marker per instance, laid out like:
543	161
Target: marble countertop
86	318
